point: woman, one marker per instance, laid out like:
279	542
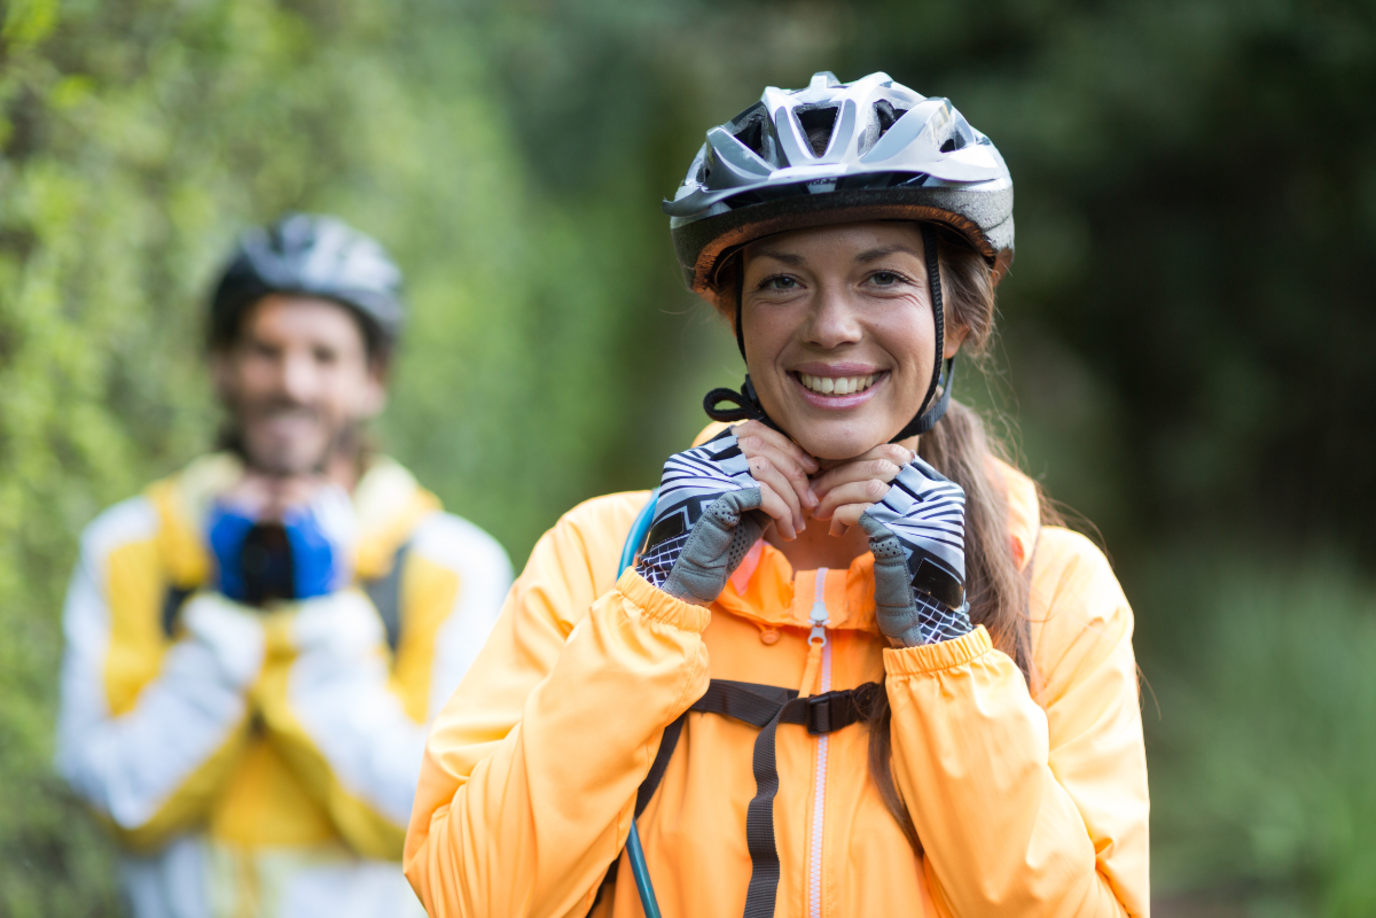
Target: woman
965	737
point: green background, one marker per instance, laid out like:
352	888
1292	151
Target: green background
1185	349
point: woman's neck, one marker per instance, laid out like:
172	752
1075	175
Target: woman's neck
815	548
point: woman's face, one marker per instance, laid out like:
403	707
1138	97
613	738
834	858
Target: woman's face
839	333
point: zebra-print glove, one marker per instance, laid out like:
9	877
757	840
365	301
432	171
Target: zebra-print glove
917	534
706	519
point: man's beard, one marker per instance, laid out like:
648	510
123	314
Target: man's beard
346	441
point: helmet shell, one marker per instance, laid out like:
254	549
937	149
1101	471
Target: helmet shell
837	153
311	255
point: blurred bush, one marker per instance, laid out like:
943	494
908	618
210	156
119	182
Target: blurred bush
1185	331
1263	730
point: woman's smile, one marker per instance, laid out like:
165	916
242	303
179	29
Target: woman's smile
837	386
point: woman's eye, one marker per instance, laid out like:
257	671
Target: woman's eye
779	282
885	278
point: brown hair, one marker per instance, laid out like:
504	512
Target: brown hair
960	448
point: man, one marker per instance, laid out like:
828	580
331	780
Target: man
256	644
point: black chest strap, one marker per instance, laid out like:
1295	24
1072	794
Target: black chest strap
765	707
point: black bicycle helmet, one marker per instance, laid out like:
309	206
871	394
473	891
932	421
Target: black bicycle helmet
311	255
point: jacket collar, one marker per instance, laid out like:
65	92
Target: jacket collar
388	500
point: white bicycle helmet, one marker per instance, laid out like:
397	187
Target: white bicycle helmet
836	152
310	255
840	152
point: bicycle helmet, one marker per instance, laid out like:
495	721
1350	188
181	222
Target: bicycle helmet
311	255
840	152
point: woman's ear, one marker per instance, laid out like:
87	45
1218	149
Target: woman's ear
955	337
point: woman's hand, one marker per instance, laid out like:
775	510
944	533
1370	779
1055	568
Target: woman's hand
706	518
917	534
782	469
847	490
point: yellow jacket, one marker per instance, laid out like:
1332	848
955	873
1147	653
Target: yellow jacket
279	768
1026	803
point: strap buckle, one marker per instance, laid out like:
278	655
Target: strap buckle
832	711
821	717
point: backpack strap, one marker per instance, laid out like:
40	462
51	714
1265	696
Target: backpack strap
385	592
172	600
765	707
761	706
660	765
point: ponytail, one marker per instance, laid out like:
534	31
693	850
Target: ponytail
960	448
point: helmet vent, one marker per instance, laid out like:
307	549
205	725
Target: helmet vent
833	152
752	135
886	115
817	124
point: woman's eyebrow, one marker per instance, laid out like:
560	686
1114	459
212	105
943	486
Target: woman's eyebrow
870	255
787	258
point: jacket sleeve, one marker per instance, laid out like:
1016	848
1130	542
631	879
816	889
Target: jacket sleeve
148	729
530	773
1022	807
350	719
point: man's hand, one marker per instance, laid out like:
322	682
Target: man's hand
282	539
343	625
269	497
225	635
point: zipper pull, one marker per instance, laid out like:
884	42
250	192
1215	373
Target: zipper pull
816	640
818	637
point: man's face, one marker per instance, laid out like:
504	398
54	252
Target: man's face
298	381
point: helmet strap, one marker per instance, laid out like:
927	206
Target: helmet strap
943	370
926	421
740	298
748	405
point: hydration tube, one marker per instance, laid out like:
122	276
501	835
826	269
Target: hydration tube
635	853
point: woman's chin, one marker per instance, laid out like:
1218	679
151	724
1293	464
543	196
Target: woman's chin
836	443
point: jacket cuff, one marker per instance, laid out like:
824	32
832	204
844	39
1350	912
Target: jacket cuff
930	658
659	606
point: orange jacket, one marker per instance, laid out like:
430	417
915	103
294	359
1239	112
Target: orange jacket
1026	804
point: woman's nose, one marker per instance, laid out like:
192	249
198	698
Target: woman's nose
832	321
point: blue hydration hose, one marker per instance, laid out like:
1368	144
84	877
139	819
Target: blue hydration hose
639	530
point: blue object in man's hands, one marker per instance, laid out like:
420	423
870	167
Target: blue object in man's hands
304	555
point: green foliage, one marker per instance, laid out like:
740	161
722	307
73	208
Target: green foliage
138	138
1186	325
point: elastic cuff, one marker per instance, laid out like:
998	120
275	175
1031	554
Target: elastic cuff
659	606
930	658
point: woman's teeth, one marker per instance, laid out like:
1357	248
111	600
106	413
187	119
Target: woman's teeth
837	385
